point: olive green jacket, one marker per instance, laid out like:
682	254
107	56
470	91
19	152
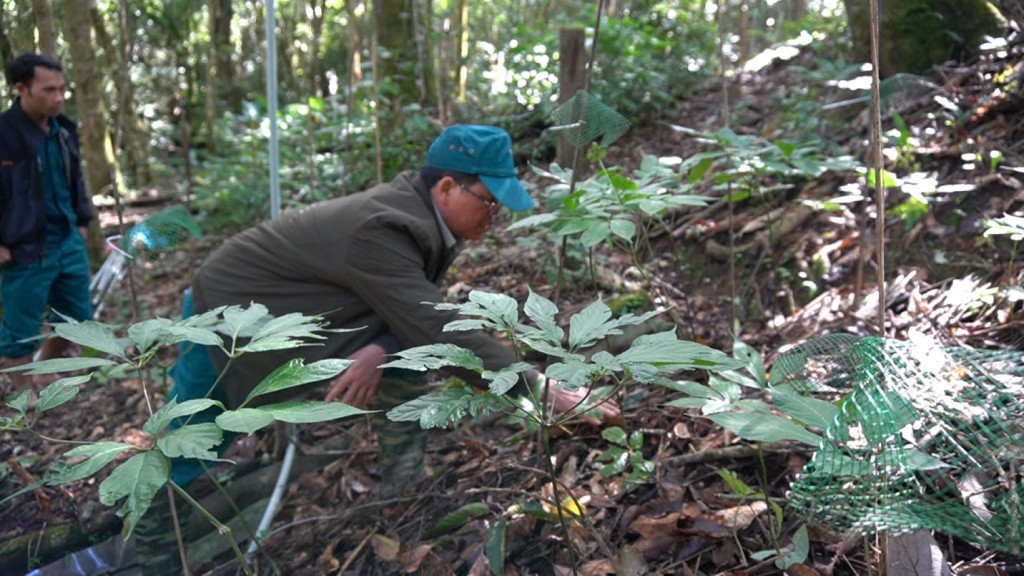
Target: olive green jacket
369	260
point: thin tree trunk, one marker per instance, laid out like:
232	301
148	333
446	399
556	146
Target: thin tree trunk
221	14
101	167
134	140
6	47
463	51
317	79
355	43
42	11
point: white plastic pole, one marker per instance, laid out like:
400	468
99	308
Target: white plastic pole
275	181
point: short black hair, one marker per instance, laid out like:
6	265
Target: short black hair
23	68
431	175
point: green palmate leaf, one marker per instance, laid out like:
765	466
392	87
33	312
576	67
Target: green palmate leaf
244	420
138	479
468	325
752	361
444	408
664	350
171	410
286	332
534	220
495	547
240	321
573	373
295	373
91	335
60	392
763	427
311	411
192	441
457	519
502	309
543	311
148	333
434	356
810	411
590	325
203	336
623	229
596	232
58	365
96	457
503	380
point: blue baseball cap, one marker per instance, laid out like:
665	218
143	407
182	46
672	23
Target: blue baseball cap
486	152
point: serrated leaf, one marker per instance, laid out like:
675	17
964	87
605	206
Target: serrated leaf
60	392
590	325
505	379
96	456
244	420
664	350
91	335
434	410
137	479
192	441
811	411
543	311
295	373
58	365
239	321
468	325
201	336
434	356
148	333
571	374
454	520
502	309
596	232
623	229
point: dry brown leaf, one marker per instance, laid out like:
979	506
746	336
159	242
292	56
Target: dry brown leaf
740	517
385	548
603	567
801	570
649	527
412	559
630	562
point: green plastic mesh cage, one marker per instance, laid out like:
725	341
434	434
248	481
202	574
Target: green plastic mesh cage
927	437
583	118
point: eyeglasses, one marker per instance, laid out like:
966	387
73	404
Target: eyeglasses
492	205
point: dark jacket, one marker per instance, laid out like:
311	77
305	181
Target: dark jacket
366	260
22	200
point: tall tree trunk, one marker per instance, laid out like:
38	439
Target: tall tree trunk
424	30
917	34
42	11
100	163
222	53
355	43
796	10
134	140
6	46
396	52
317	77
462	76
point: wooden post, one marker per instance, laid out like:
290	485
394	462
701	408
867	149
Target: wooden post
571	73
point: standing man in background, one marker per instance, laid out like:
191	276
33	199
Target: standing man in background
44	214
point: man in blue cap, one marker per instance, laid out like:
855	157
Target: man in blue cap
368	260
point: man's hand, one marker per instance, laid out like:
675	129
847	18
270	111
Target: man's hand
5	255
563	401
357	385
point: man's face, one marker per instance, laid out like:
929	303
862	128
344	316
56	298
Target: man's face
43	95
467	209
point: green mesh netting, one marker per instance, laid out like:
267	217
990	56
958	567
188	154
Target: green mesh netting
927	437
163	230
583	118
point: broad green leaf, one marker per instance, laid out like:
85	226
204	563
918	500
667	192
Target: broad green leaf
147	333
888	180
244	420
199	336
91	335
623	229
60	392
434	410
240	321
294	373
752	361
434	356
596	232
96	456
138	479
664	350
171	410
700	169
763	427
192	441
495	547
589	325
467	325
505	379
798	551
503	309
571	374
918	460
543	311
454	520
617	464
615	435
305	412
737	485
290	328
58	365
806	409
534	220
275	342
